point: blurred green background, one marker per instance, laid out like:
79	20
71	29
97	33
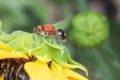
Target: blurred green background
102	61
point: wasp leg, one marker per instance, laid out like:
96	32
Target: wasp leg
52	40
34	31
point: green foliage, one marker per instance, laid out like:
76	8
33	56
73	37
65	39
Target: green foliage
102	61
0	25
61	1
41	47
15	14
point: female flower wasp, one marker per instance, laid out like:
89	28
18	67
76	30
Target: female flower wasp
50	31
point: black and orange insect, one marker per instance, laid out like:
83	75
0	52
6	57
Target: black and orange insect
50	31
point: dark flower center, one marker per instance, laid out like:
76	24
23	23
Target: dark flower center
13	69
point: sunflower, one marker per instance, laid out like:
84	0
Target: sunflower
25	58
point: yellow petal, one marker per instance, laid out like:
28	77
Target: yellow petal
38	71
11	54
58	74
1	78
71	75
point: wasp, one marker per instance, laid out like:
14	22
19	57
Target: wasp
50	31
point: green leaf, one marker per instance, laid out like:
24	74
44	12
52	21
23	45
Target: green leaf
72	62
42	48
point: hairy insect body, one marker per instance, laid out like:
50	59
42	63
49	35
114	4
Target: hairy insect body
50	31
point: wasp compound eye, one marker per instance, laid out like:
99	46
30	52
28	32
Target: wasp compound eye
61	34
